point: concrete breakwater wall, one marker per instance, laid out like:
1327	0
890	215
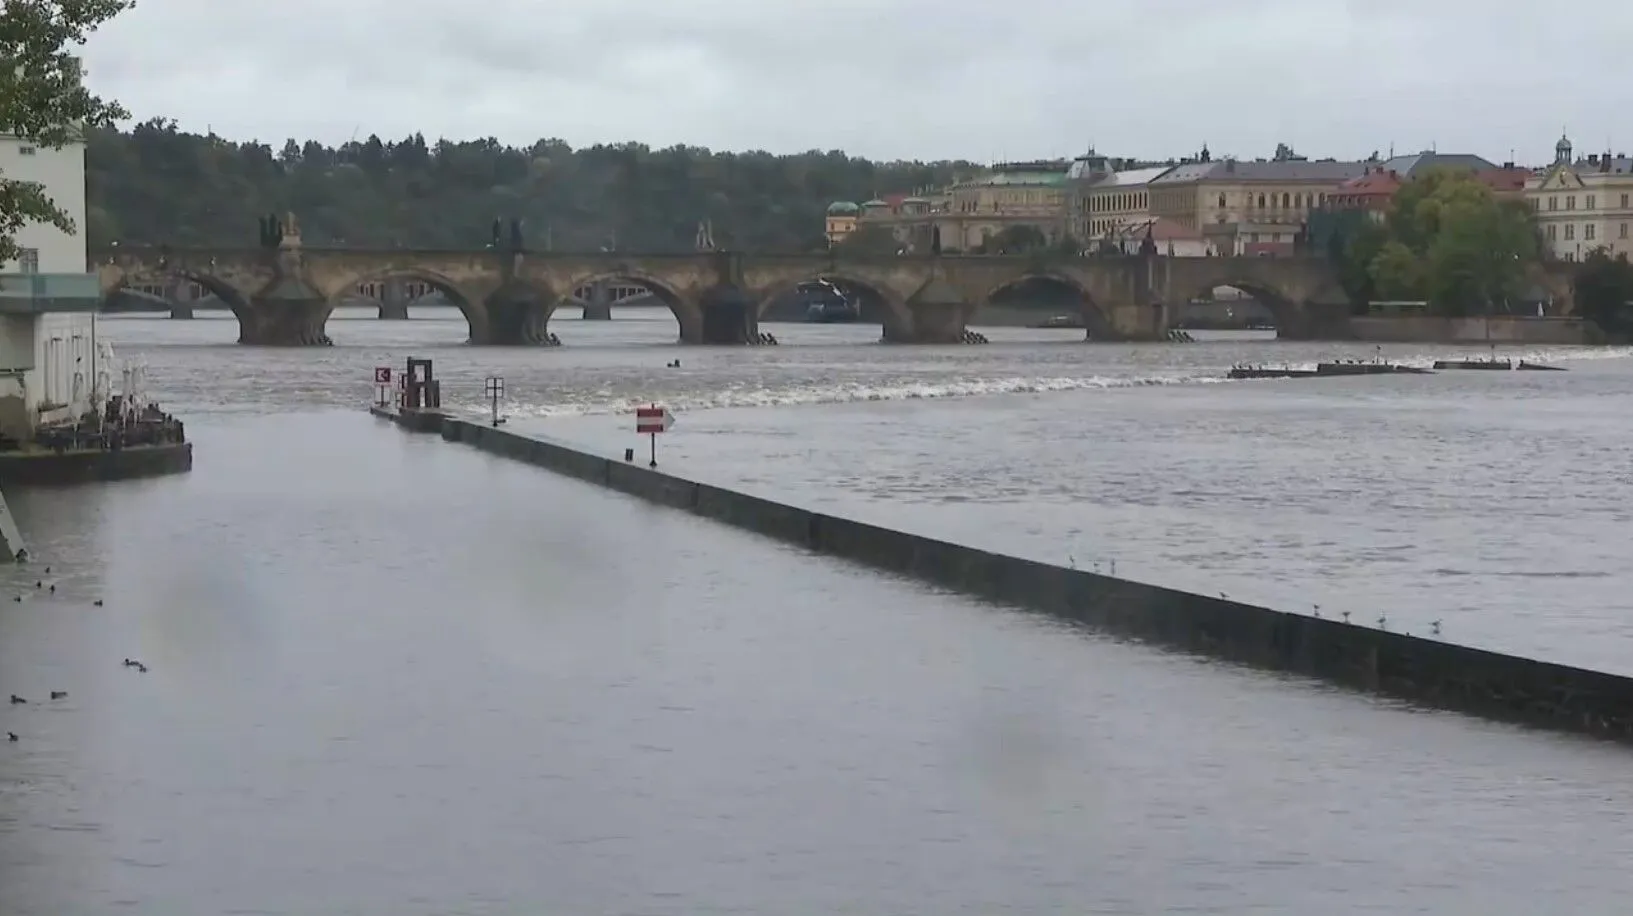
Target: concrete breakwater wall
1424	671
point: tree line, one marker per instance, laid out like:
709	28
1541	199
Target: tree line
157	184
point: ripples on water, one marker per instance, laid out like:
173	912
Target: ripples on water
393	676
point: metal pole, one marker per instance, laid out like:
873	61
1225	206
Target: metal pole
494	390
654	438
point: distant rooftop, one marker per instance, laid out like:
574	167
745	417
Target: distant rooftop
1412	165
1017	178
1132	177
1287	170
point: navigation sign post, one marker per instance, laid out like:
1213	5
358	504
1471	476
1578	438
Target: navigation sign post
649	421
382	381
495	389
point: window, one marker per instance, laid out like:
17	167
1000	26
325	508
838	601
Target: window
1286	200
1624	201
1261	201
25	150
1536	203
1590	202
1587	231
1222	201
1623	231
1570	233
1570	201
1551	233
28	261
1553	203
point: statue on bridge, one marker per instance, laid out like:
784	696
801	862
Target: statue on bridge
272	231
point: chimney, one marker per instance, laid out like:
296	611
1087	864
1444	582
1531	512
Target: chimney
1593	159
1509	165
1230	165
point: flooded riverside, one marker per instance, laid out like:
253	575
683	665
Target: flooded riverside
390	675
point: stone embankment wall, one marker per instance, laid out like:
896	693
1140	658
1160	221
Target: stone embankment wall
1503	329
1421	670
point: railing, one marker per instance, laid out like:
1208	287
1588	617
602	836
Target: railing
49	292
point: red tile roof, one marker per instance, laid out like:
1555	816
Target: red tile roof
1375	183
1504	181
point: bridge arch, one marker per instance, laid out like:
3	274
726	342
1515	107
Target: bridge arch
877	303
472	307
1041	283
118	281
688	315
1285	310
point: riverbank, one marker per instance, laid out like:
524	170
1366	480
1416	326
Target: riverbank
1365	657
1495	329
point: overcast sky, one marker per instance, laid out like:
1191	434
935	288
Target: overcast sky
890	78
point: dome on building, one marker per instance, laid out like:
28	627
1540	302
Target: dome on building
876	202
914	200
842	207
1564	145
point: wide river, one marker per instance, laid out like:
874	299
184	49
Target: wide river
388	675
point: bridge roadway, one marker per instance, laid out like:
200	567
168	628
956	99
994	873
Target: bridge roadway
283	296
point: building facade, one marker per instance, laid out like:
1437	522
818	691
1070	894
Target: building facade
963	216
1583	204
47	249
50	371
1013	194
1249	208
840	221
1104	201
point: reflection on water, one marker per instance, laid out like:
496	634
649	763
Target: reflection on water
388	675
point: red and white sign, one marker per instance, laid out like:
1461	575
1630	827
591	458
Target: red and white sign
382	375
649	421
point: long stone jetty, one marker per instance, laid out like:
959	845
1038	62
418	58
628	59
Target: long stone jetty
1425	671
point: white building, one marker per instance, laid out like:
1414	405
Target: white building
1584	204
49	366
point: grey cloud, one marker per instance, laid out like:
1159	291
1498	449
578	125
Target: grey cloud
888	78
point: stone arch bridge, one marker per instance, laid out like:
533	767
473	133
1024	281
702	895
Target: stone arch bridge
284	295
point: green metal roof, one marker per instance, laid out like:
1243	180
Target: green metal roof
842	206
1018	179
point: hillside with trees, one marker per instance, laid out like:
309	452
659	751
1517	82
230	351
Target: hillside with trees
155	184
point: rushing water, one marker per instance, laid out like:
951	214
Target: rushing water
394	676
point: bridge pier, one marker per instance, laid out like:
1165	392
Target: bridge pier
394	299
180	294
1133	323
599	305
514	322
729	317
281	322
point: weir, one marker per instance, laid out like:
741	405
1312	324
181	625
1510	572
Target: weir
1424	671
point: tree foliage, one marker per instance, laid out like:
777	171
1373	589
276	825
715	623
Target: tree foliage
1446	239
870	241
43	99
156	184
1603	287
1021	238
